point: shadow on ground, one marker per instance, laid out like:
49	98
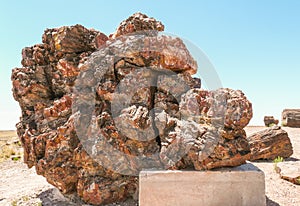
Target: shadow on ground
292	159
52	197
271	202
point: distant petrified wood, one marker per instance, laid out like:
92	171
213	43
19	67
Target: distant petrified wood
291	117
269	144
97	110
270	121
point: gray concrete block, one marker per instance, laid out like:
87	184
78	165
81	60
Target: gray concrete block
239	186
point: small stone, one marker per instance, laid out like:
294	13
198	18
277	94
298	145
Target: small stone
289	171
270	121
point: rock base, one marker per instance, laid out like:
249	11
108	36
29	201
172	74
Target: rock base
240	186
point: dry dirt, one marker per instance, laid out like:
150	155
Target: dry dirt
10	146
21	186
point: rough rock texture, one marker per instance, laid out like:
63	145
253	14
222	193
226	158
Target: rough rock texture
289	171
138	22
97	110
291	117
270	121
269	144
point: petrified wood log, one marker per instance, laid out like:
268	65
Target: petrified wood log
269	144
291	117
97	110
270	120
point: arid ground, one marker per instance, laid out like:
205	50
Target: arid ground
22	186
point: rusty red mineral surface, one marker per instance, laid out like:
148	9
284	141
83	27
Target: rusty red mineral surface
269	144
96	110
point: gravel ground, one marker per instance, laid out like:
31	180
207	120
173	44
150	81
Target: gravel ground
21	186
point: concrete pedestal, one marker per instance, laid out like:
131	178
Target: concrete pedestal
239	186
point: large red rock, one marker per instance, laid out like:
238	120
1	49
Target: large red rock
97	110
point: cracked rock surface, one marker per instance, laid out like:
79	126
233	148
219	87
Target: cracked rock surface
270	143
96	110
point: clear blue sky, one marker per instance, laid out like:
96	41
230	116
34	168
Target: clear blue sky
254	45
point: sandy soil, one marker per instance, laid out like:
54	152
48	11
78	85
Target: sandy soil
21	186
